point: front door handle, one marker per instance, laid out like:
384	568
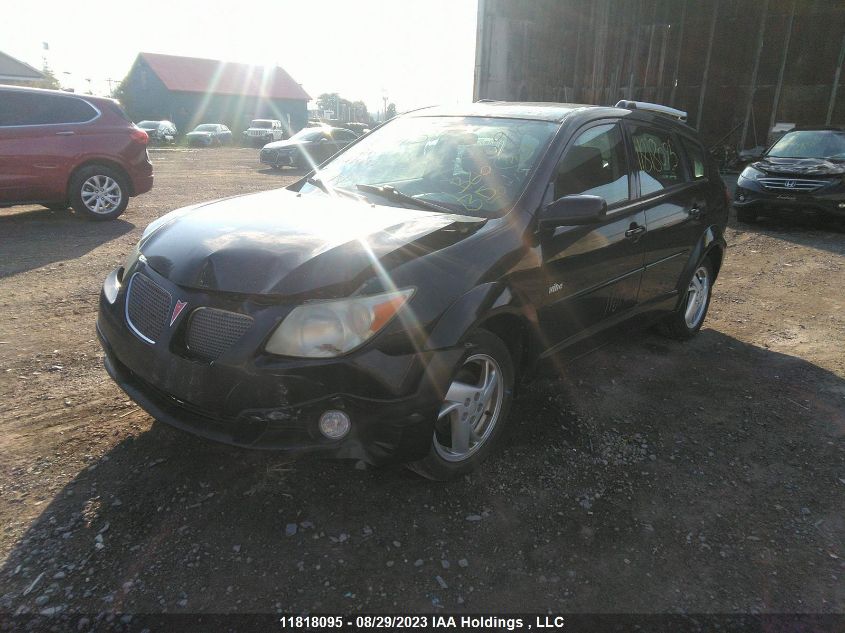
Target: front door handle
695	213
67	133
635	231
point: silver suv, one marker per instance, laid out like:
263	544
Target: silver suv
263	131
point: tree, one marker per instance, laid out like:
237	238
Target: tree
391	112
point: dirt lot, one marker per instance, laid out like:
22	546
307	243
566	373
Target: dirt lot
652	476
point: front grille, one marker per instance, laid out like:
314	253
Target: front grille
211	332
792	184
269	155
147	307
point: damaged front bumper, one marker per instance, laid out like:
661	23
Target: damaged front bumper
252	399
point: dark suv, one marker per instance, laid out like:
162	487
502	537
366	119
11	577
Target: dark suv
386	307
58	149
803	171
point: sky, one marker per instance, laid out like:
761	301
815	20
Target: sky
414	52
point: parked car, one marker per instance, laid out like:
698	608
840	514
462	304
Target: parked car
159	131
59	149
307	148
387	309
263	131
803	171
209	134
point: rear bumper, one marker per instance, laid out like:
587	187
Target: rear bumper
253	401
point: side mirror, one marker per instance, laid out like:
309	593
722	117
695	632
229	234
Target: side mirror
571	211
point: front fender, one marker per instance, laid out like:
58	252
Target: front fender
469	309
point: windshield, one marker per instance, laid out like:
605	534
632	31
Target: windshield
261	124
308	134
471	165
206	127
148	125
810	144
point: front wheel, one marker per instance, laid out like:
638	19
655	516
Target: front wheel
474	412
98	192
685	322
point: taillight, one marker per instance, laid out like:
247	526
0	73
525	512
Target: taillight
140	136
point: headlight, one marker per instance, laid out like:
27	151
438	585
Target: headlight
749	173
131	260
331	328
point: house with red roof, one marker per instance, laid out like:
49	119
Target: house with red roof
190	91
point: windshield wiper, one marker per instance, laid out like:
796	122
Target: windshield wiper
318	182
392	193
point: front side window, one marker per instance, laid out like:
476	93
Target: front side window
594	165
471	165
658	160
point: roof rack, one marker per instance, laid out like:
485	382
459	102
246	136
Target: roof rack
653	107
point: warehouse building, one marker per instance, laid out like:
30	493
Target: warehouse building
190	91
737	67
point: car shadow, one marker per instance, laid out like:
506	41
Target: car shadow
34	237
671	456
806	229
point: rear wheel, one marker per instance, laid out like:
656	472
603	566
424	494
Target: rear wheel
98	192
746	216
474	412
685	322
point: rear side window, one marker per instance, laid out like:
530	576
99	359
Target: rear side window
343	135
595	165
29	108
695	153
658	160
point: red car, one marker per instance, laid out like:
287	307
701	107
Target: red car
59	149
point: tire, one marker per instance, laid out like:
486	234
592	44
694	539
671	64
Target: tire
687	320
485	353
746	216
105	191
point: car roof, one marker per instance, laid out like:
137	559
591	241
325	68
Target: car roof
61	93
546	111
555	112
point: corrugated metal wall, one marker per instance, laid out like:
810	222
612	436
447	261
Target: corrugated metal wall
736	66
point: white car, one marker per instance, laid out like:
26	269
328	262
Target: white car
263	131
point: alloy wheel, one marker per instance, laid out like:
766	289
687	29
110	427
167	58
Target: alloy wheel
471	408
101	194
697	294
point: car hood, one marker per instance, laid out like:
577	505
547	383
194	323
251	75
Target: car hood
282	243
800	166
200	133
285	143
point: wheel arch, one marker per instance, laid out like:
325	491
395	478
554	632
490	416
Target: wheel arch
106	162
493	307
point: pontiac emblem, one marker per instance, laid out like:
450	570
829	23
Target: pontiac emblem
177	310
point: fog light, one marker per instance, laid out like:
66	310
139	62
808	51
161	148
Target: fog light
334	424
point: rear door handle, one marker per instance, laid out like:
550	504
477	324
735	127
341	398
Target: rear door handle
635	231
67	133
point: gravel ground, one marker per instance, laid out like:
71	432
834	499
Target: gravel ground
651	476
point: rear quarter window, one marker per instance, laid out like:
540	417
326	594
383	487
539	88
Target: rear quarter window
697	160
